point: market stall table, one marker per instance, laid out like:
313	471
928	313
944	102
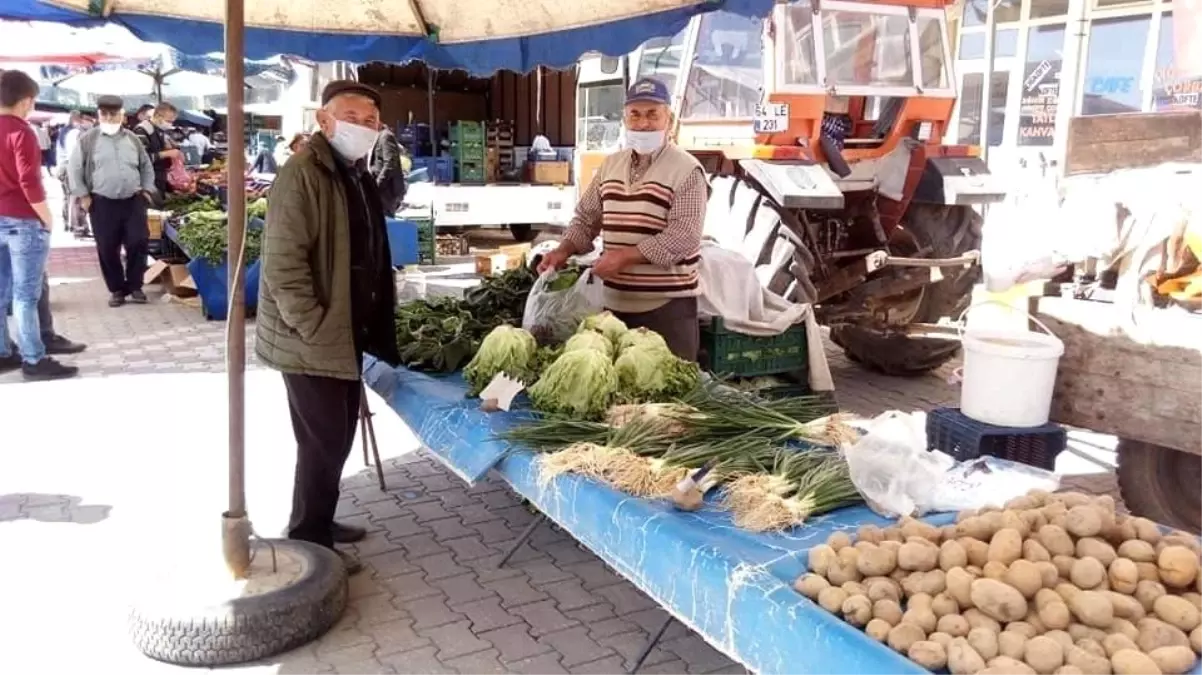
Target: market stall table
730	585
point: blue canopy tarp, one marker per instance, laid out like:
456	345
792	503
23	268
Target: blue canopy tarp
558	48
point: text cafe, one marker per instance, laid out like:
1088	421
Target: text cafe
1125	55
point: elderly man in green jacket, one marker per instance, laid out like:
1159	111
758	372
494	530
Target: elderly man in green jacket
326	296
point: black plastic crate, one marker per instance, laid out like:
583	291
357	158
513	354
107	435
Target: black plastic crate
952	432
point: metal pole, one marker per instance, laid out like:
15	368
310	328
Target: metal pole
434	146
987	77
236	526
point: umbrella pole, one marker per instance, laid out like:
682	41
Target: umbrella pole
235	535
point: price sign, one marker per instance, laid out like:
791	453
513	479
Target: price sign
772	118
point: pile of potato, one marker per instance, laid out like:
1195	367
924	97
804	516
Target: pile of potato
1050	583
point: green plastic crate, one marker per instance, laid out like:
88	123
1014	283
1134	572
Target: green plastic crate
729	353
468	132
427	247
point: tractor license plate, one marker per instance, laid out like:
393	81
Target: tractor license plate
772	118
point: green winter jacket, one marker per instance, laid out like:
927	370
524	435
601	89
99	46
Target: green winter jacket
304	317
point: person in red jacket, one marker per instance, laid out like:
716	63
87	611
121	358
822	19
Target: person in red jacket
25	223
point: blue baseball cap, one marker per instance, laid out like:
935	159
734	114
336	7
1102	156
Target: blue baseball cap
648	90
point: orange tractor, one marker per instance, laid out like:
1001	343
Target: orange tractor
831	174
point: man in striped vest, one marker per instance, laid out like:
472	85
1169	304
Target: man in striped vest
648	204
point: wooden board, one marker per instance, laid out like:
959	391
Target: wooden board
1108	382
1102	143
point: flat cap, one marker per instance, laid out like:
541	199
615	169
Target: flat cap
110	102
339	87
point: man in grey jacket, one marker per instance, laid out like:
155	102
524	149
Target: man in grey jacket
384	162
113	178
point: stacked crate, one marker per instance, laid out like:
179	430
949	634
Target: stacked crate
416	139
468	148
500	144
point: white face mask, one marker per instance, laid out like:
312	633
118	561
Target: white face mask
109	128
644	142
353	141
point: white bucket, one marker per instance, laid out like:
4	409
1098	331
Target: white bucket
1009	375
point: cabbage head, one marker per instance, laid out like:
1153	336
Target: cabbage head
505	350
641	337
579	383
590	339
647	373
605	323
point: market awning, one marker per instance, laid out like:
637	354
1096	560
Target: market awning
37	42
480	36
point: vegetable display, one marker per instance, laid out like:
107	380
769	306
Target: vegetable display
580	383
442	334
746	445
204	234
1048	583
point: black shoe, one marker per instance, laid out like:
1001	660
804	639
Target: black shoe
116	299
353	564
11	362
57	344
347	534
138	297
47	369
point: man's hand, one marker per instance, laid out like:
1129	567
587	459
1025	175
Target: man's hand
86	202
147	196
612	263
555	260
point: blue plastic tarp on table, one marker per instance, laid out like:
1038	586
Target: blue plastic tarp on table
730	585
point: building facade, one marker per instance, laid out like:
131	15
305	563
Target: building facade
1056	59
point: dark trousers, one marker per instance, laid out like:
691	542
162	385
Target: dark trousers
324	413
676	322
118	224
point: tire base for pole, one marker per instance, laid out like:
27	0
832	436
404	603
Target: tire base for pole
278	608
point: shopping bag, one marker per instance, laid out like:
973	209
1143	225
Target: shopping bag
552	316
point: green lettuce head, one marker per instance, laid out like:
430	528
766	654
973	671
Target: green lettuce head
605	323
590	339
641	337
647	373
505	350
580	383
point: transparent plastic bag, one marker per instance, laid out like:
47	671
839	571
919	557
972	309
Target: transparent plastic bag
891	466
987	481
553	316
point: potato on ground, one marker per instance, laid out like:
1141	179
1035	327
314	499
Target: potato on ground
1043	654
1131	662
1195	639
1092	608
916	557
1154	633
1056	541
922	617
810	585
1062	637
1178	566
831	599
1174	660
1137	550
1092	547
878	629
962	659
857	610
888	611
999	600
1116	642
1023	628
875	561
903	635
838	540
1055	615
1025	576
1004	665
1125	606
1012	644
1006	546
952	555
1147	592
984	641
1072	670
954	625
1087	661
1123	575
929	655
978	619
1087	573
1177	611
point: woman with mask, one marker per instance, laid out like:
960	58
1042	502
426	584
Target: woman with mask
647	203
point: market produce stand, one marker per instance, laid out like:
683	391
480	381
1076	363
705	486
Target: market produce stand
730	585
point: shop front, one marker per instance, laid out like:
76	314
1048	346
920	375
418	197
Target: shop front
1056	59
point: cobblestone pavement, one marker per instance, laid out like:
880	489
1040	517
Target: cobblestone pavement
109	476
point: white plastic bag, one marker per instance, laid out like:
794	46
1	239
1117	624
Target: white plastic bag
891	466
986	481
553	316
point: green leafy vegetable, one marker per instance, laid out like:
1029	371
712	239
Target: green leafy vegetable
442	334
641	337
257	208
506	350
650	373
204	236
605	323
566	279
580	383
590	339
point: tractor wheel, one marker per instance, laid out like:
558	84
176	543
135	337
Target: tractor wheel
944	232
1161	483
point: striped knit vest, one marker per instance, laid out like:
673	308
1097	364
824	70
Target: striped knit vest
632	212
